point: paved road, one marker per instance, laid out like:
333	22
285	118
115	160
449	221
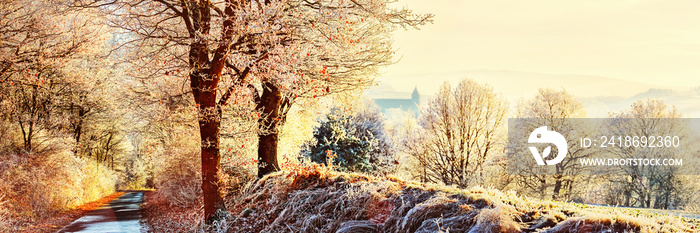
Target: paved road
120	215
674	213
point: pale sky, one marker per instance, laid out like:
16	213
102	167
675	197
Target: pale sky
633	44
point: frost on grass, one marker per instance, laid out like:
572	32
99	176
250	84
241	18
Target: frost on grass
314	199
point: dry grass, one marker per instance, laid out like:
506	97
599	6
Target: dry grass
4	213
160	216
315	199
38	187
59	220
179	181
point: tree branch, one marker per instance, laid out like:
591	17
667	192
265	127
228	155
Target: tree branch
241	79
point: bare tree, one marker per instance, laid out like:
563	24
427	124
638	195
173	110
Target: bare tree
553	109
50	69
460	130
650	186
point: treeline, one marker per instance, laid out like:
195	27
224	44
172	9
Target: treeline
63	137
190	97
461	138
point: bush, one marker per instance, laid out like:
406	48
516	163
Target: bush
179	179
234	178
37	186
357	141
137	174
334	137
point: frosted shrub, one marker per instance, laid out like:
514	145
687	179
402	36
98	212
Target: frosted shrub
179	179
37	186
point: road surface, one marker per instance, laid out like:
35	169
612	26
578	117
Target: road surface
121	215
673	213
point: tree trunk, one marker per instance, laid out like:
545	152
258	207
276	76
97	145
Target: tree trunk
268	135
204	82
209	128
543	187
78	127
209	132
557	188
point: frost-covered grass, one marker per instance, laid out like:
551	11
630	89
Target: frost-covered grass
315	199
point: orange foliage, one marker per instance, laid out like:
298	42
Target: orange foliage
61	220
96	204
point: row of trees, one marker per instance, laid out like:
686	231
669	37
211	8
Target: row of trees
53	76
653	186
259	57
461	141
643	186
62	133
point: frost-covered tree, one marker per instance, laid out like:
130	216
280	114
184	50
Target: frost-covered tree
260	54
357	141
651	186
554	109
460	130
53	71
335	141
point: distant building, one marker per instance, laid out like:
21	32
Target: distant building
403	104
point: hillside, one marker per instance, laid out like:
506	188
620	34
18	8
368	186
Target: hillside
317	200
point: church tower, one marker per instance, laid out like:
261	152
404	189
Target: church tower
415	96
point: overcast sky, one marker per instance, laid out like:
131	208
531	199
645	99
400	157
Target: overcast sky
636	44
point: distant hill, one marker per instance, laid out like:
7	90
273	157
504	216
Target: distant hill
687	101
600	95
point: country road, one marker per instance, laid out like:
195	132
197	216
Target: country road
121	215
674	213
